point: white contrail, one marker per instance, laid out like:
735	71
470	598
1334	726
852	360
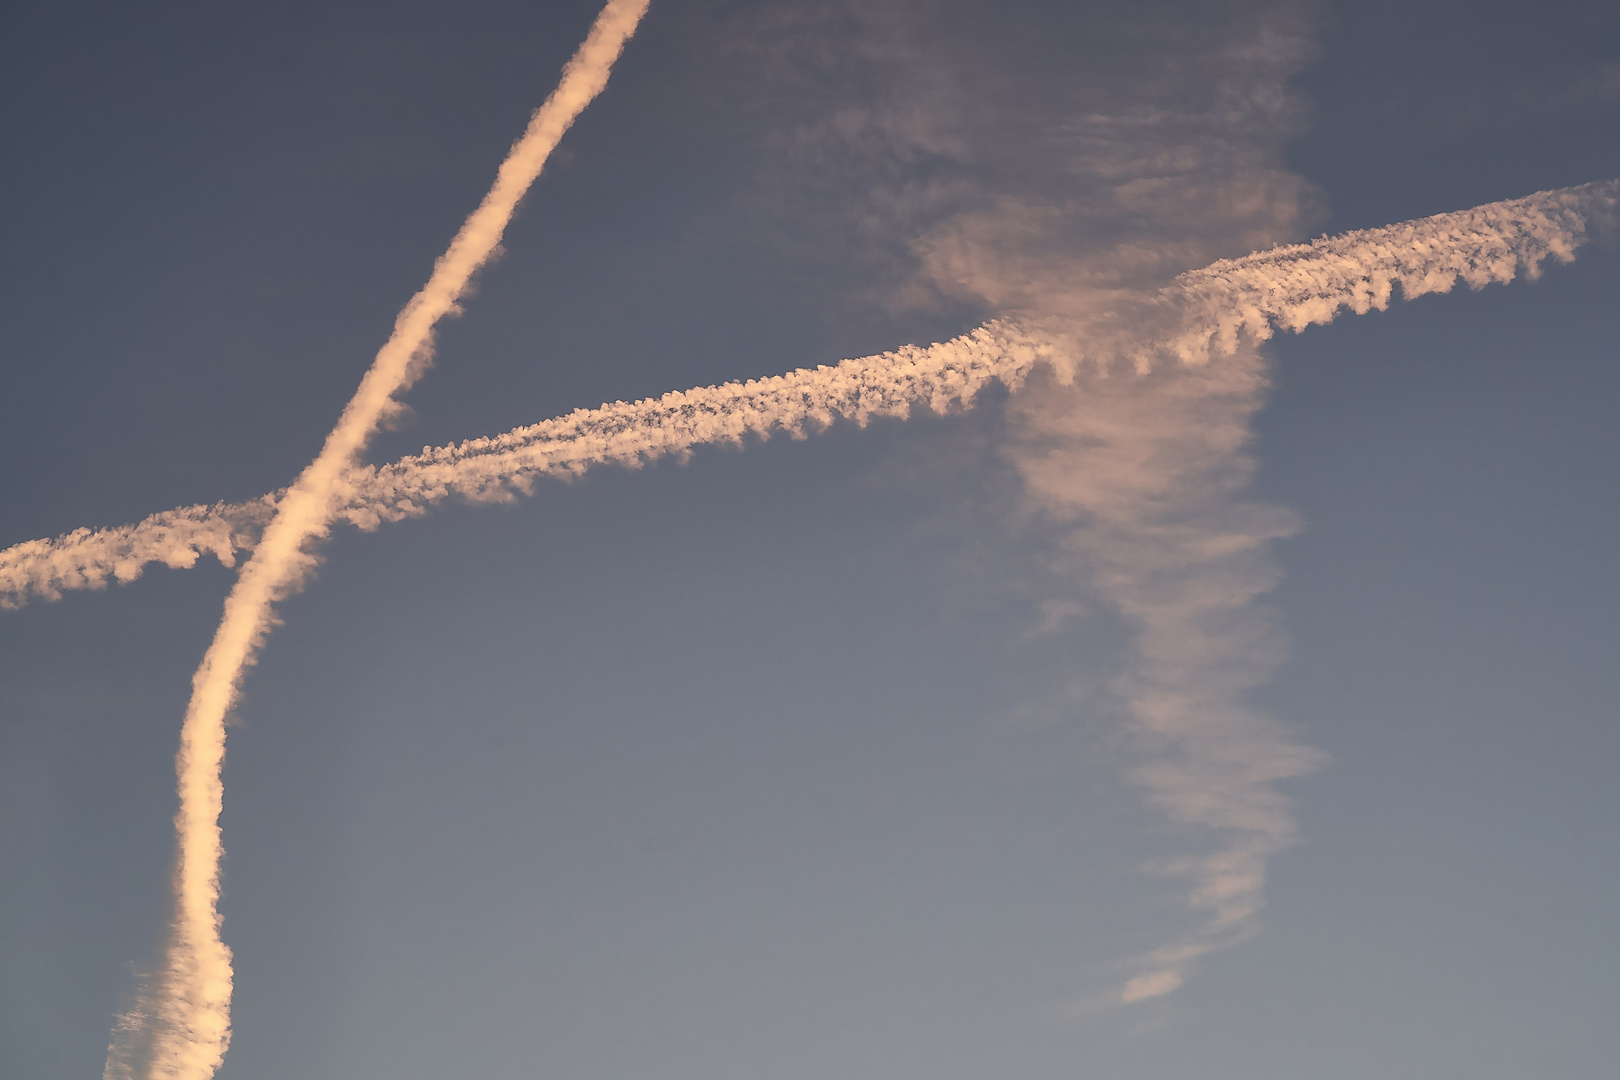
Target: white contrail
182	1029
1203	313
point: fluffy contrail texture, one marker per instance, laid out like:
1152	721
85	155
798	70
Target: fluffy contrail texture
1203	313
940	377
181	1030
1304	284
89	559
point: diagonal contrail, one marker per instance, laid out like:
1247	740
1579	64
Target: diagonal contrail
1202	314
181	1028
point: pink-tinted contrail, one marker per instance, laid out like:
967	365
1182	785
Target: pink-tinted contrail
180	1029
1202	314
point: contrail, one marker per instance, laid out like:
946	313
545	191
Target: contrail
1303	284
1149	464
1202	314
940	377
182	1029
90	559
1150	467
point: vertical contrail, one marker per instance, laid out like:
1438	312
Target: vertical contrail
182	1029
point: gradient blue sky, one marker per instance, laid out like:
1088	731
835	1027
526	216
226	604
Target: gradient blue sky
755	766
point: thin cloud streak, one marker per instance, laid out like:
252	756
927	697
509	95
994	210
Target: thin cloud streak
1203	314
180	1026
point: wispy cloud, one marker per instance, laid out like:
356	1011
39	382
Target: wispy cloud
1147	473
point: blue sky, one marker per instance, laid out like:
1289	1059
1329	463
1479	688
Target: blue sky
760	764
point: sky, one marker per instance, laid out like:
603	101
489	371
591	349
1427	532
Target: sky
814	757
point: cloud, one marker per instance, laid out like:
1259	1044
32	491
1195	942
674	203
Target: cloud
1147	474
948	150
